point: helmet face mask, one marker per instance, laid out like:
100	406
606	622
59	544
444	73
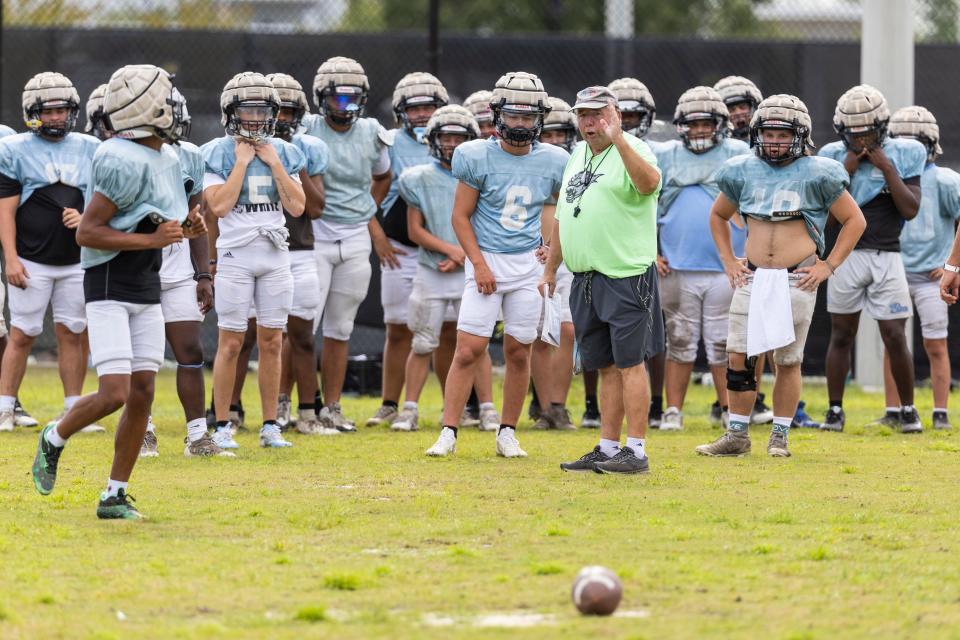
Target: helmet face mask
181	116
252	120
343	104
449	127
415	113
741	112
701	132
51	127
289	117
559	135
635	119
859	139
780	130
518	124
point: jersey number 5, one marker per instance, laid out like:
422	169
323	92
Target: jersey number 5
514	213
257	186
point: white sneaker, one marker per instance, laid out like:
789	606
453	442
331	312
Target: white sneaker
271	438
7	420
508	446
408	421
672	420
445	444
224	437
21	418
489	420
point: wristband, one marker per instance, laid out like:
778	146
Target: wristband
951	268
203	275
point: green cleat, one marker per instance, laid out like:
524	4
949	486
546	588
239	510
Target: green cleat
45	463
118	507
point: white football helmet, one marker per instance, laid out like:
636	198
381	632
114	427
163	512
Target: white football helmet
784	112
343	80
561	118
415	89
292	96
919	124
519	93
636	102
140	103
861	111
453	119
249	105
50	90
697	104
95	124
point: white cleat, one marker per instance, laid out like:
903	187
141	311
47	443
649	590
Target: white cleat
407	421
508	446
445	444
489	420
223	438
7	420
271	438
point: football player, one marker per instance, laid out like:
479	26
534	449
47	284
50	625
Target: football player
138	206
504	183
786	195
251	178
741	96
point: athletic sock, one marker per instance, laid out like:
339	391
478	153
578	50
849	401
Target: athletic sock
739	423
236	407
304	406
222	424
410	404
473	402
452	429
908	407
637	444
196	429
782	425
54	438
505	426
390	403
556	405
836	404
609	447
151	428
486	406
7	403
114	487
270	423
591	401
892	410
935	410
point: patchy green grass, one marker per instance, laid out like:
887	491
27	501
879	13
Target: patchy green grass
364	537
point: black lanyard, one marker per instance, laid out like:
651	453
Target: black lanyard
587	175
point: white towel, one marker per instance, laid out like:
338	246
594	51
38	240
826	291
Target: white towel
770	317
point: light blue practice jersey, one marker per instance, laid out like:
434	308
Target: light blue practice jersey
35	162
806	188
315	152
192	166
926	240
405	152
681	168
6	131
259	186
908	156
141	182
513	190
431	188
353	155
689	189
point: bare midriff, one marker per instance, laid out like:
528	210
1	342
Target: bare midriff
778	245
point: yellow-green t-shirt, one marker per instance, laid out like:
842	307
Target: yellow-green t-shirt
615	231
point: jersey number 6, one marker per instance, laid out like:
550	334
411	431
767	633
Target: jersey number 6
514	213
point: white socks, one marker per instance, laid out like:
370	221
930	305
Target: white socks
54	438
609	447
409	404
637	444
7	403
114	487
196	429
69	401
484	406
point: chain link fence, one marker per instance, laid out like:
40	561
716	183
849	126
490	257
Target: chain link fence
806	47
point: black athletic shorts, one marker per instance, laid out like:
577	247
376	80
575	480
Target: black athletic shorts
617	321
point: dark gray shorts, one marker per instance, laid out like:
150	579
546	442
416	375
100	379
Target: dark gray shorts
617	321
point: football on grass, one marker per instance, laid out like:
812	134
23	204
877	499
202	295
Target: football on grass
597	591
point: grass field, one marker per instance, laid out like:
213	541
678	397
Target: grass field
363	537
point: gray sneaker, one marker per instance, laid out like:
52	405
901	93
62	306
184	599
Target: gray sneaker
561	419
941	421
407	421
890	419
544	421
284	408
910	421
205	447
587	461
727	445
777	446
331	416
625	462
150	447
383	417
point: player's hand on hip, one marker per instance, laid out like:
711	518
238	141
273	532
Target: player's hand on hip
813	275
16	273
71	218
949	284
482	275
166	234
737	272
387	253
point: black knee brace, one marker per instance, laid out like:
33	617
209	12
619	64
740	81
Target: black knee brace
745	380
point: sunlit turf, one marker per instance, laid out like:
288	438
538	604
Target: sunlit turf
362	536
